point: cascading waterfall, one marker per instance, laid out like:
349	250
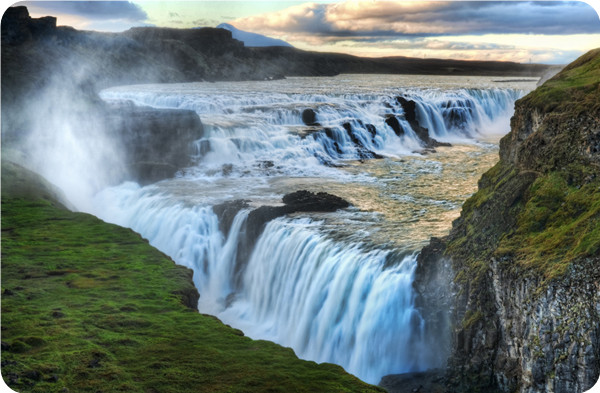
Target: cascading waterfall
329	296
330	301
247	130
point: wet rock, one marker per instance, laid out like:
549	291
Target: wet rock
430	381
364	153
299	201
227	169
227	211
394	124
203	147
410	114
155	142
309	117
308	201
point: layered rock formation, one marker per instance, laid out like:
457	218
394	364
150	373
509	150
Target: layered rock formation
50	79
513	293
157	142
298	201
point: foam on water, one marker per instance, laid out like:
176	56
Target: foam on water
332	295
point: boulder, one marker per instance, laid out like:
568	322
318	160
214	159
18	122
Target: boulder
309	117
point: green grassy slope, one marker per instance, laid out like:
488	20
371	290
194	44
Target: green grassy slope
541	212
90	306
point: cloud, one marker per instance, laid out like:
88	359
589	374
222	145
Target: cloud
396	18
93	15
96	10
205	22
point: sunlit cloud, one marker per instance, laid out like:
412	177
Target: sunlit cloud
523	31
462	30
393	18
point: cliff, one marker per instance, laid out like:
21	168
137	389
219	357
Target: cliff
513	293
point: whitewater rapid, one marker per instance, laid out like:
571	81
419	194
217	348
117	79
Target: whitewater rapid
335	287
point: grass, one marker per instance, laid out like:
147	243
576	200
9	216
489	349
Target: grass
89	306
543	213
575	89
558	224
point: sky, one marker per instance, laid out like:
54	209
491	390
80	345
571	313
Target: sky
552	32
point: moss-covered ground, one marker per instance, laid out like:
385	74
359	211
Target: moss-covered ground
91	307
540	228
558	224
576	88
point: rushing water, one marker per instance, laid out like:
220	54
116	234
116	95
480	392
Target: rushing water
336	287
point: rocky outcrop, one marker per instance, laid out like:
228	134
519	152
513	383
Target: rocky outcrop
410	114
298	201
227	211
17	27
157	142
309	117
516	284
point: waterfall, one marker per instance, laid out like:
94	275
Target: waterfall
251	130
331	301
332	286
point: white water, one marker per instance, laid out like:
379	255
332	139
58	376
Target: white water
331	302
336	287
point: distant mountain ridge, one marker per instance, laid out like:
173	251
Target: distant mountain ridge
252	39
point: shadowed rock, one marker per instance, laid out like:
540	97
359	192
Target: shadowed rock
299	201
410	114
394	124
157	142
430	381
227	211
309	117
364	153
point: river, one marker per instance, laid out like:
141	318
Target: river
335	287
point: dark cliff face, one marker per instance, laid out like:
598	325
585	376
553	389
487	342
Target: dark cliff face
50	79
521	266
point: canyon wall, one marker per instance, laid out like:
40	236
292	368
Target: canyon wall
512	295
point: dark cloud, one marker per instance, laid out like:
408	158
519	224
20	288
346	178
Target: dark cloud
93	10
206	22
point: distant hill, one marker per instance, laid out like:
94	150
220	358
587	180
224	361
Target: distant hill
252	39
